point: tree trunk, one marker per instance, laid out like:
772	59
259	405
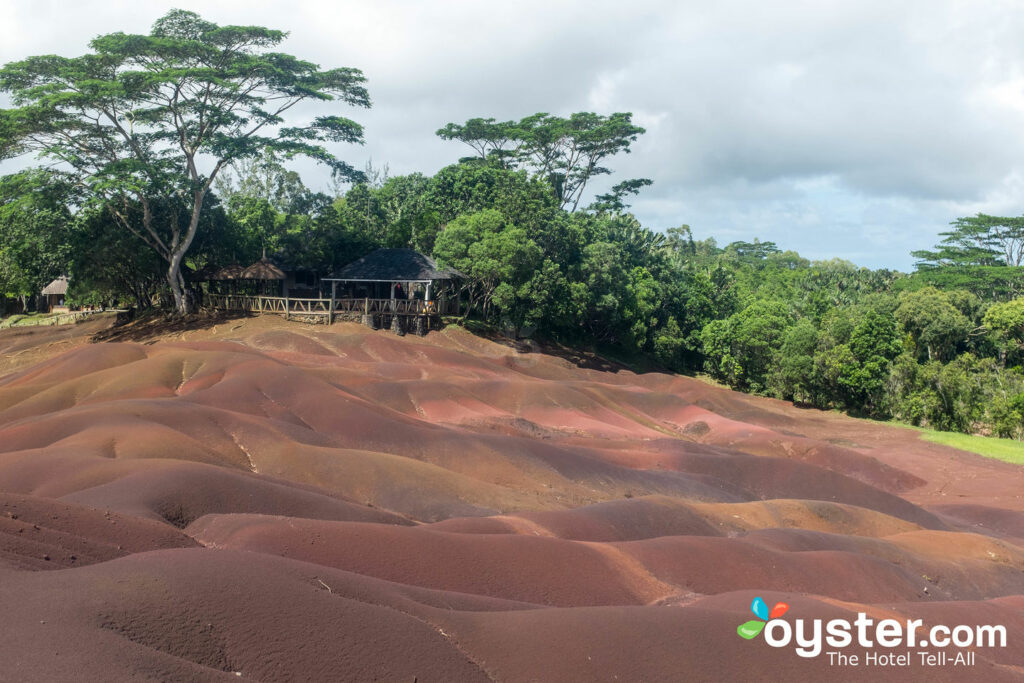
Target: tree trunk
183	303
173	273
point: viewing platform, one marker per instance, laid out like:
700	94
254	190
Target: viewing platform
375	313
400	288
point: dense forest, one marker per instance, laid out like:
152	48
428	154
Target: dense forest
543	255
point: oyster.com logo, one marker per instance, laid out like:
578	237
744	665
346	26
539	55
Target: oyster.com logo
902	642
752	629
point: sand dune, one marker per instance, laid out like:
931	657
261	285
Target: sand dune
295	503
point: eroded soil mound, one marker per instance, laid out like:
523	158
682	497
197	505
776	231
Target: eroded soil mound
248	497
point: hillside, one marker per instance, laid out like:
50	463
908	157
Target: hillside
284	502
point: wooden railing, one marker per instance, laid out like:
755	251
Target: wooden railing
288	306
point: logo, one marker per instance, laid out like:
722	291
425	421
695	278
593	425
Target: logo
752	629
904	642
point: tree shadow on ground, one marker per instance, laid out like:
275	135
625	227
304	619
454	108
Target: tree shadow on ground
158	324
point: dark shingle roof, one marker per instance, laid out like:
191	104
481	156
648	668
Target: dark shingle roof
389	265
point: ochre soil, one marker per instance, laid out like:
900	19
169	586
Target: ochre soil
274	501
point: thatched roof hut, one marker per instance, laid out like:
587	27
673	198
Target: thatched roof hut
58	287
204	274
54	294
232	272
263	270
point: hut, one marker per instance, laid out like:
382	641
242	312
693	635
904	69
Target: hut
204	274
231	272
54	295
273	280
220	280
391	274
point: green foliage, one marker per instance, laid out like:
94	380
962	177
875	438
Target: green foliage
741	349
110	267
564	152
980	240
1006	320
863	373
137	119
35	230
968	394
795	372
498	257
980	254
936	326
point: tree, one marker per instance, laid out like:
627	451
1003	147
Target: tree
981	253
934	323
565	152
754	253
794	373
264	178
110	266
1006	321
465	188
874	343
498	257
980	240
35	230
615	200
742	348
145	118
487	137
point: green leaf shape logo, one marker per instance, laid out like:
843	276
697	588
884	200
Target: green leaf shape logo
759	607
750	629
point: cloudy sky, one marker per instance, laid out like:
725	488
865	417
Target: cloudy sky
855	129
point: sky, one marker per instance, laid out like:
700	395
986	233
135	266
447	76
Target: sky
855	130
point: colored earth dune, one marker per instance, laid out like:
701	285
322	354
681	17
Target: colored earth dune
264	500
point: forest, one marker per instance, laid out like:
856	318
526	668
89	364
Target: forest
127	213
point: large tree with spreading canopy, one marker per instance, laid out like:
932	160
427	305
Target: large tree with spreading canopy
145	121
566	152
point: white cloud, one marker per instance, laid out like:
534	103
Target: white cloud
836	128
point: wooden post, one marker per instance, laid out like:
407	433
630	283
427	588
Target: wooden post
286	307
334	293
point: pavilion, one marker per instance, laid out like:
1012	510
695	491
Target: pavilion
391	274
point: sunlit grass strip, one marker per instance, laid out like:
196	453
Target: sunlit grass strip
1000	449
37	319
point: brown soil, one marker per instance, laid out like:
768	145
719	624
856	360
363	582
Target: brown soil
222	496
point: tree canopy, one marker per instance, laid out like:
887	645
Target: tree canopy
155	118
565	152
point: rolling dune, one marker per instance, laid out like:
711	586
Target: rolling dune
251	498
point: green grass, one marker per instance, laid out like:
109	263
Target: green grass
35	319
13	320
1006	450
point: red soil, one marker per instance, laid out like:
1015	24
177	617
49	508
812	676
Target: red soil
295	503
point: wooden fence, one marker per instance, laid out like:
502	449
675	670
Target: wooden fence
330	309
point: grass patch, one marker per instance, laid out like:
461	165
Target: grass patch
37	319
20	319
1006	450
